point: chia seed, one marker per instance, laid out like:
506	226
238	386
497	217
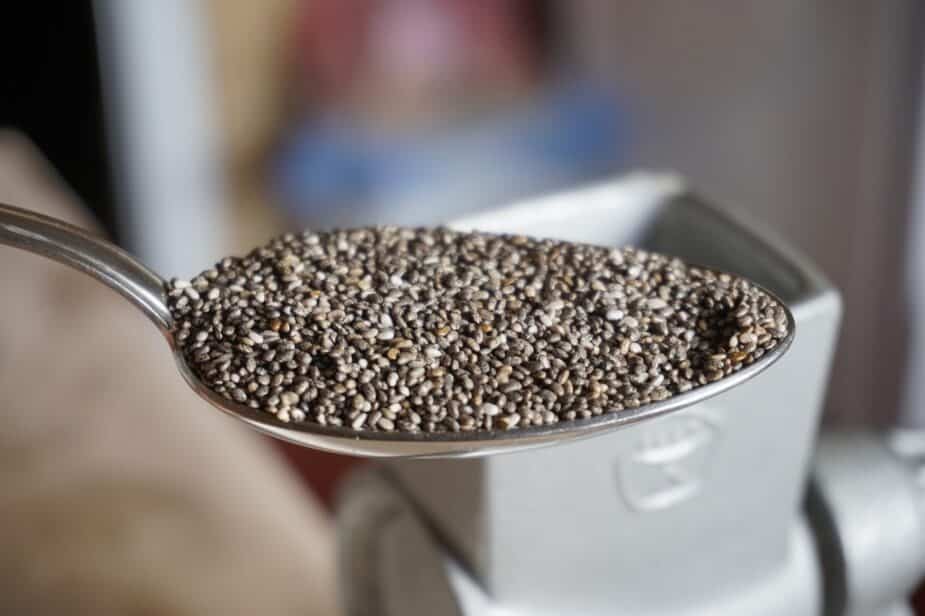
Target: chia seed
395	329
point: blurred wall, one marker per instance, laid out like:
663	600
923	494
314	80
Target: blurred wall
250	43
800	113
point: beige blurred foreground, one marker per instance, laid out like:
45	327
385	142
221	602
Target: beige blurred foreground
123	494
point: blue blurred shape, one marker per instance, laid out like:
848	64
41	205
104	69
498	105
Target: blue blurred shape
332	172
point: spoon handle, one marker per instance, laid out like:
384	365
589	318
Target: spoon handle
88	253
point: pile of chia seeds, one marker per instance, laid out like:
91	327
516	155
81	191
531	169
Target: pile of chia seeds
432	330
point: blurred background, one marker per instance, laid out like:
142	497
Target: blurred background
194	129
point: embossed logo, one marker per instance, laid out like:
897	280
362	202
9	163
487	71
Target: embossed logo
667	464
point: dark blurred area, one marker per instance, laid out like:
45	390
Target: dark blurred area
191	130
51	90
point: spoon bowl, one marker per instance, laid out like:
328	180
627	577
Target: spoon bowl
145	289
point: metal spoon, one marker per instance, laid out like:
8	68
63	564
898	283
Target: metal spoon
120	271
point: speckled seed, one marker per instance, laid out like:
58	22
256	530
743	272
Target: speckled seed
490	409
509	421
431	330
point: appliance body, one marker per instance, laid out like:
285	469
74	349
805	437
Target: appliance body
697	512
